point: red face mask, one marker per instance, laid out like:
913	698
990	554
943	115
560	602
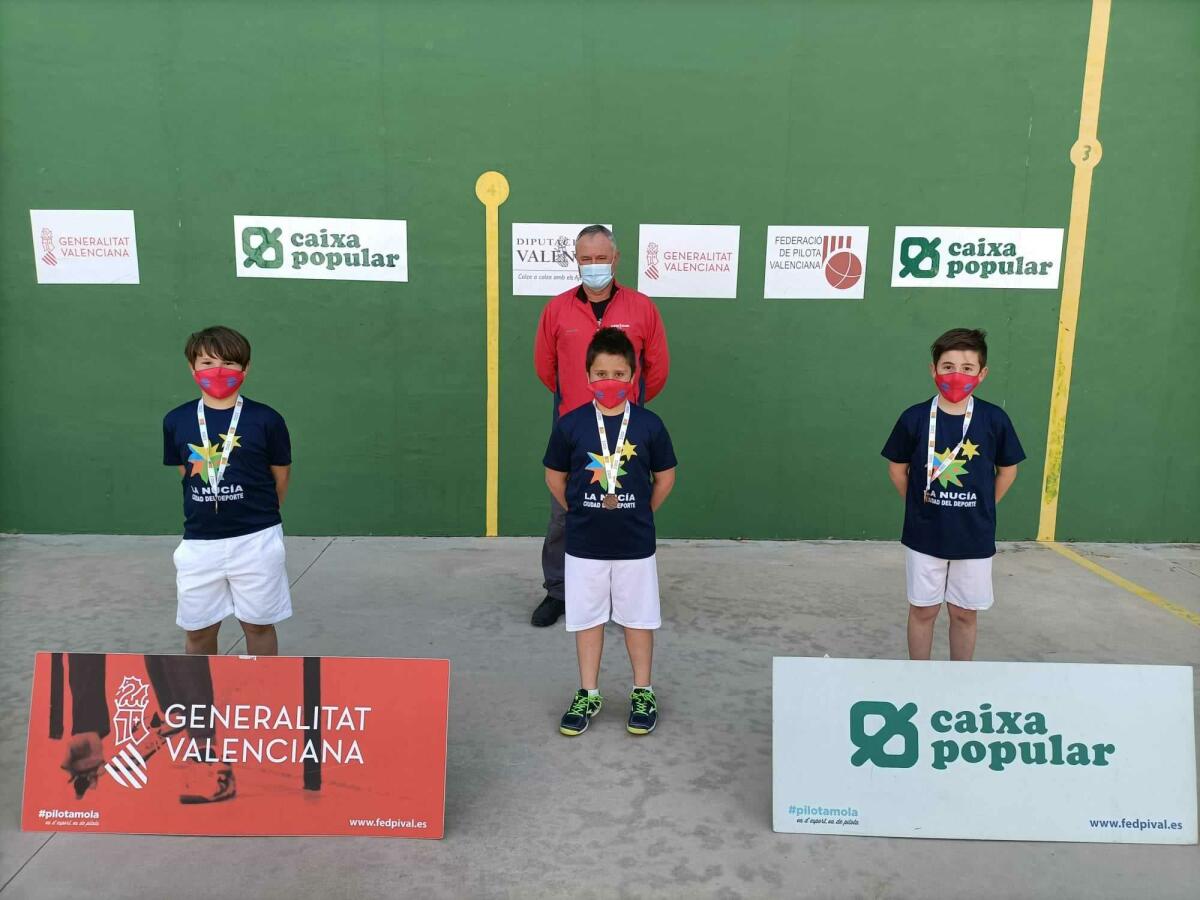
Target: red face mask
609	392
218	381
955	386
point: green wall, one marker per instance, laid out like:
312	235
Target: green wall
870	112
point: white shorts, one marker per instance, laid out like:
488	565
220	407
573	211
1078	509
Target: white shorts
625	590
966	583
243	576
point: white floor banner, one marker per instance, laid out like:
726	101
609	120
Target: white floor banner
984	750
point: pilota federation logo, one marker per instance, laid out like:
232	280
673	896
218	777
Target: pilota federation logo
897	722
48	256
842	267
652	260
128	766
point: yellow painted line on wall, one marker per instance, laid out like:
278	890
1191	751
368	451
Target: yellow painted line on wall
1149	596
492	189
1085	154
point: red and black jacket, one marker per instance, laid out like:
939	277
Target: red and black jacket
566	329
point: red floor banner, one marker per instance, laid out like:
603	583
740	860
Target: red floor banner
237	745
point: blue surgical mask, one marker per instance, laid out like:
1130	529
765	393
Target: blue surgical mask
596	275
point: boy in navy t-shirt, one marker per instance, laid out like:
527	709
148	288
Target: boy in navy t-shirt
234	457
951	458
611	465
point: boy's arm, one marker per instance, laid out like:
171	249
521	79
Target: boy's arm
557	482
1005	476
898	472
181	470
282	476
664	483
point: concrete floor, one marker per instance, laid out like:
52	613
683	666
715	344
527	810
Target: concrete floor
684	813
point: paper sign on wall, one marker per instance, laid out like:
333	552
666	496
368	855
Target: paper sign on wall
84	246
986	750
688	260
976	257
311	247
543	258
816	262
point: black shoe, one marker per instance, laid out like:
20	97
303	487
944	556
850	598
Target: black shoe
548	612
643	712
583	707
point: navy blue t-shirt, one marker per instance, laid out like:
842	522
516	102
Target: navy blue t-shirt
959	522
592	531
247	494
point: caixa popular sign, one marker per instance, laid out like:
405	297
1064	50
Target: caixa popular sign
1011	751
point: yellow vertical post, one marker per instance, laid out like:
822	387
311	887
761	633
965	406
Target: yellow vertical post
492	189
1085	154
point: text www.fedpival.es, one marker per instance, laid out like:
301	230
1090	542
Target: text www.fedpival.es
1137	824
388	823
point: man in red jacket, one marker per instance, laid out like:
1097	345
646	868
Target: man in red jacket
560	358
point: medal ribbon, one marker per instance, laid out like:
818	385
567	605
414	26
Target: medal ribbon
215	475
613	462
932	475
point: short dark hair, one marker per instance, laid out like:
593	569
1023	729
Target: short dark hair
219	341
614	342
597	229
961	339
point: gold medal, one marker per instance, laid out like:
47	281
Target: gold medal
610	501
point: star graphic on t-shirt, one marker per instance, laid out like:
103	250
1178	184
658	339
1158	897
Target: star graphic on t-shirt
237	440
628	450
969	450
205	452
200	457
599	470
952	471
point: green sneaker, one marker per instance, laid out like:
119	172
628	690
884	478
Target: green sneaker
575	720
643	711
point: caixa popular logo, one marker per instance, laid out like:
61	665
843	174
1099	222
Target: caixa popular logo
315	248
977	257
889	737
263	247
